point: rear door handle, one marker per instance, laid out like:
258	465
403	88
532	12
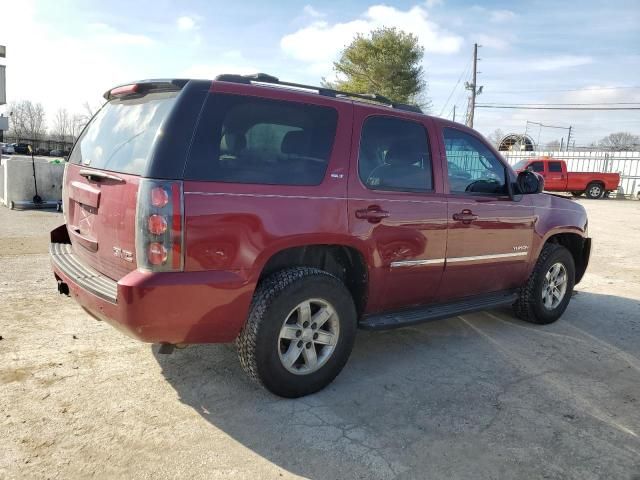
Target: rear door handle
373	214
465	216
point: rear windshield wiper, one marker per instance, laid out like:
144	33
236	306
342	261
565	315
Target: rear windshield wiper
99	176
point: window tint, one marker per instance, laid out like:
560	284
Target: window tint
394	155
253	140
472	168
555	167
536	167
121	135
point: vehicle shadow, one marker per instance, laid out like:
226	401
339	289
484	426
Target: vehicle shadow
451	398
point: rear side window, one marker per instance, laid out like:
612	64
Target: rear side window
555	167
121	136
394	155
253	140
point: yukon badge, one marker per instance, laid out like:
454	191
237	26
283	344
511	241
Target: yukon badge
123	254
520	248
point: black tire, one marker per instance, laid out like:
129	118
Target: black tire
529	306
577	194
273	300
595	190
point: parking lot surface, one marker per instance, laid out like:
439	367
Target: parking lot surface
476	396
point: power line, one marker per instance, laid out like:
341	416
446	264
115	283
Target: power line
562	104
517	107
568	89
464	72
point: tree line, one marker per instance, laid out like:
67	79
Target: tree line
28	121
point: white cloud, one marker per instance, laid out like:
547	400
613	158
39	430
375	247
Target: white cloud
433	3
312	12
320	42
108	34
186	23
558	62
499	16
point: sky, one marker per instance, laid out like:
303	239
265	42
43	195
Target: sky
64	53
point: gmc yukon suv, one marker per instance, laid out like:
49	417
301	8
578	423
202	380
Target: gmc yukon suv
283	217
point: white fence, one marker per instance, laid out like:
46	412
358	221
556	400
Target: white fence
627	164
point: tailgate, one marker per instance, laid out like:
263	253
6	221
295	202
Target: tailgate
100	214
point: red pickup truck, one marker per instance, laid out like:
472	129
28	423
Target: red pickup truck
558	179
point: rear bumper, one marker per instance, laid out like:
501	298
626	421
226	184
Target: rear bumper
175	307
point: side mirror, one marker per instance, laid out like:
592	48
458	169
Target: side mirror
530	182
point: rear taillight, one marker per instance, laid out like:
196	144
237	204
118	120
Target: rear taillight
159	226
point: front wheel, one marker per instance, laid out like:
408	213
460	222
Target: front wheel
546	295
299	333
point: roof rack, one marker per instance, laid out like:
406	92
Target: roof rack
327	92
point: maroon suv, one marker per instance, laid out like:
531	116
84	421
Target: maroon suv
282	217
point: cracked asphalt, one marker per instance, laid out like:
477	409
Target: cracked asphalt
481	396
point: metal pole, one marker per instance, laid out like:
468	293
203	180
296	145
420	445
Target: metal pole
473	86
569	138
454	113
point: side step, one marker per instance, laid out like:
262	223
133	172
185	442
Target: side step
404	318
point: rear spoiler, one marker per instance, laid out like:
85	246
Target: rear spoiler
143	87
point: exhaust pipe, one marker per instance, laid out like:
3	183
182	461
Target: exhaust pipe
63	288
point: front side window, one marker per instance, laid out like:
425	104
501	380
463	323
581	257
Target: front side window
472	168
255	140
394	155
536	167
555	167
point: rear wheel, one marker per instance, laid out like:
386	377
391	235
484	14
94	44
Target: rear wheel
595	190
545	296
300	332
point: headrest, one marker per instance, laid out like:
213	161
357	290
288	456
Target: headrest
295	143
234	142
401	154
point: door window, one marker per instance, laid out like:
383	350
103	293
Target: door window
394	155
536	167
472	168
555	167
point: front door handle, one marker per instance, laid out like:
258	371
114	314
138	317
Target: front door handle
374	214
465	216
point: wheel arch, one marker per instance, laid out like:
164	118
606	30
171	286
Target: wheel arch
345	261
578	245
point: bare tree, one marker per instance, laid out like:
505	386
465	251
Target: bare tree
496	137
77	124
552	146
27	120
62	126
620	141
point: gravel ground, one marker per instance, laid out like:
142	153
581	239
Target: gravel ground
476	396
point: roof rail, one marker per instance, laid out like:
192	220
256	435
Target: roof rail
327	92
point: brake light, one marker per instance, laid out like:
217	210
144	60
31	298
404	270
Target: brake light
159	229
157	224
123	90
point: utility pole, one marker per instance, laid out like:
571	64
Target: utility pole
569	138
473	87
454	113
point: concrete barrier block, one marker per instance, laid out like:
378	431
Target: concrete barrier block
17	180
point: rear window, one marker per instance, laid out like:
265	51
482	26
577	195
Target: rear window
254	140
121	136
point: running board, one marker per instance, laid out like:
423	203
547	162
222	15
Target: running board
427	313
